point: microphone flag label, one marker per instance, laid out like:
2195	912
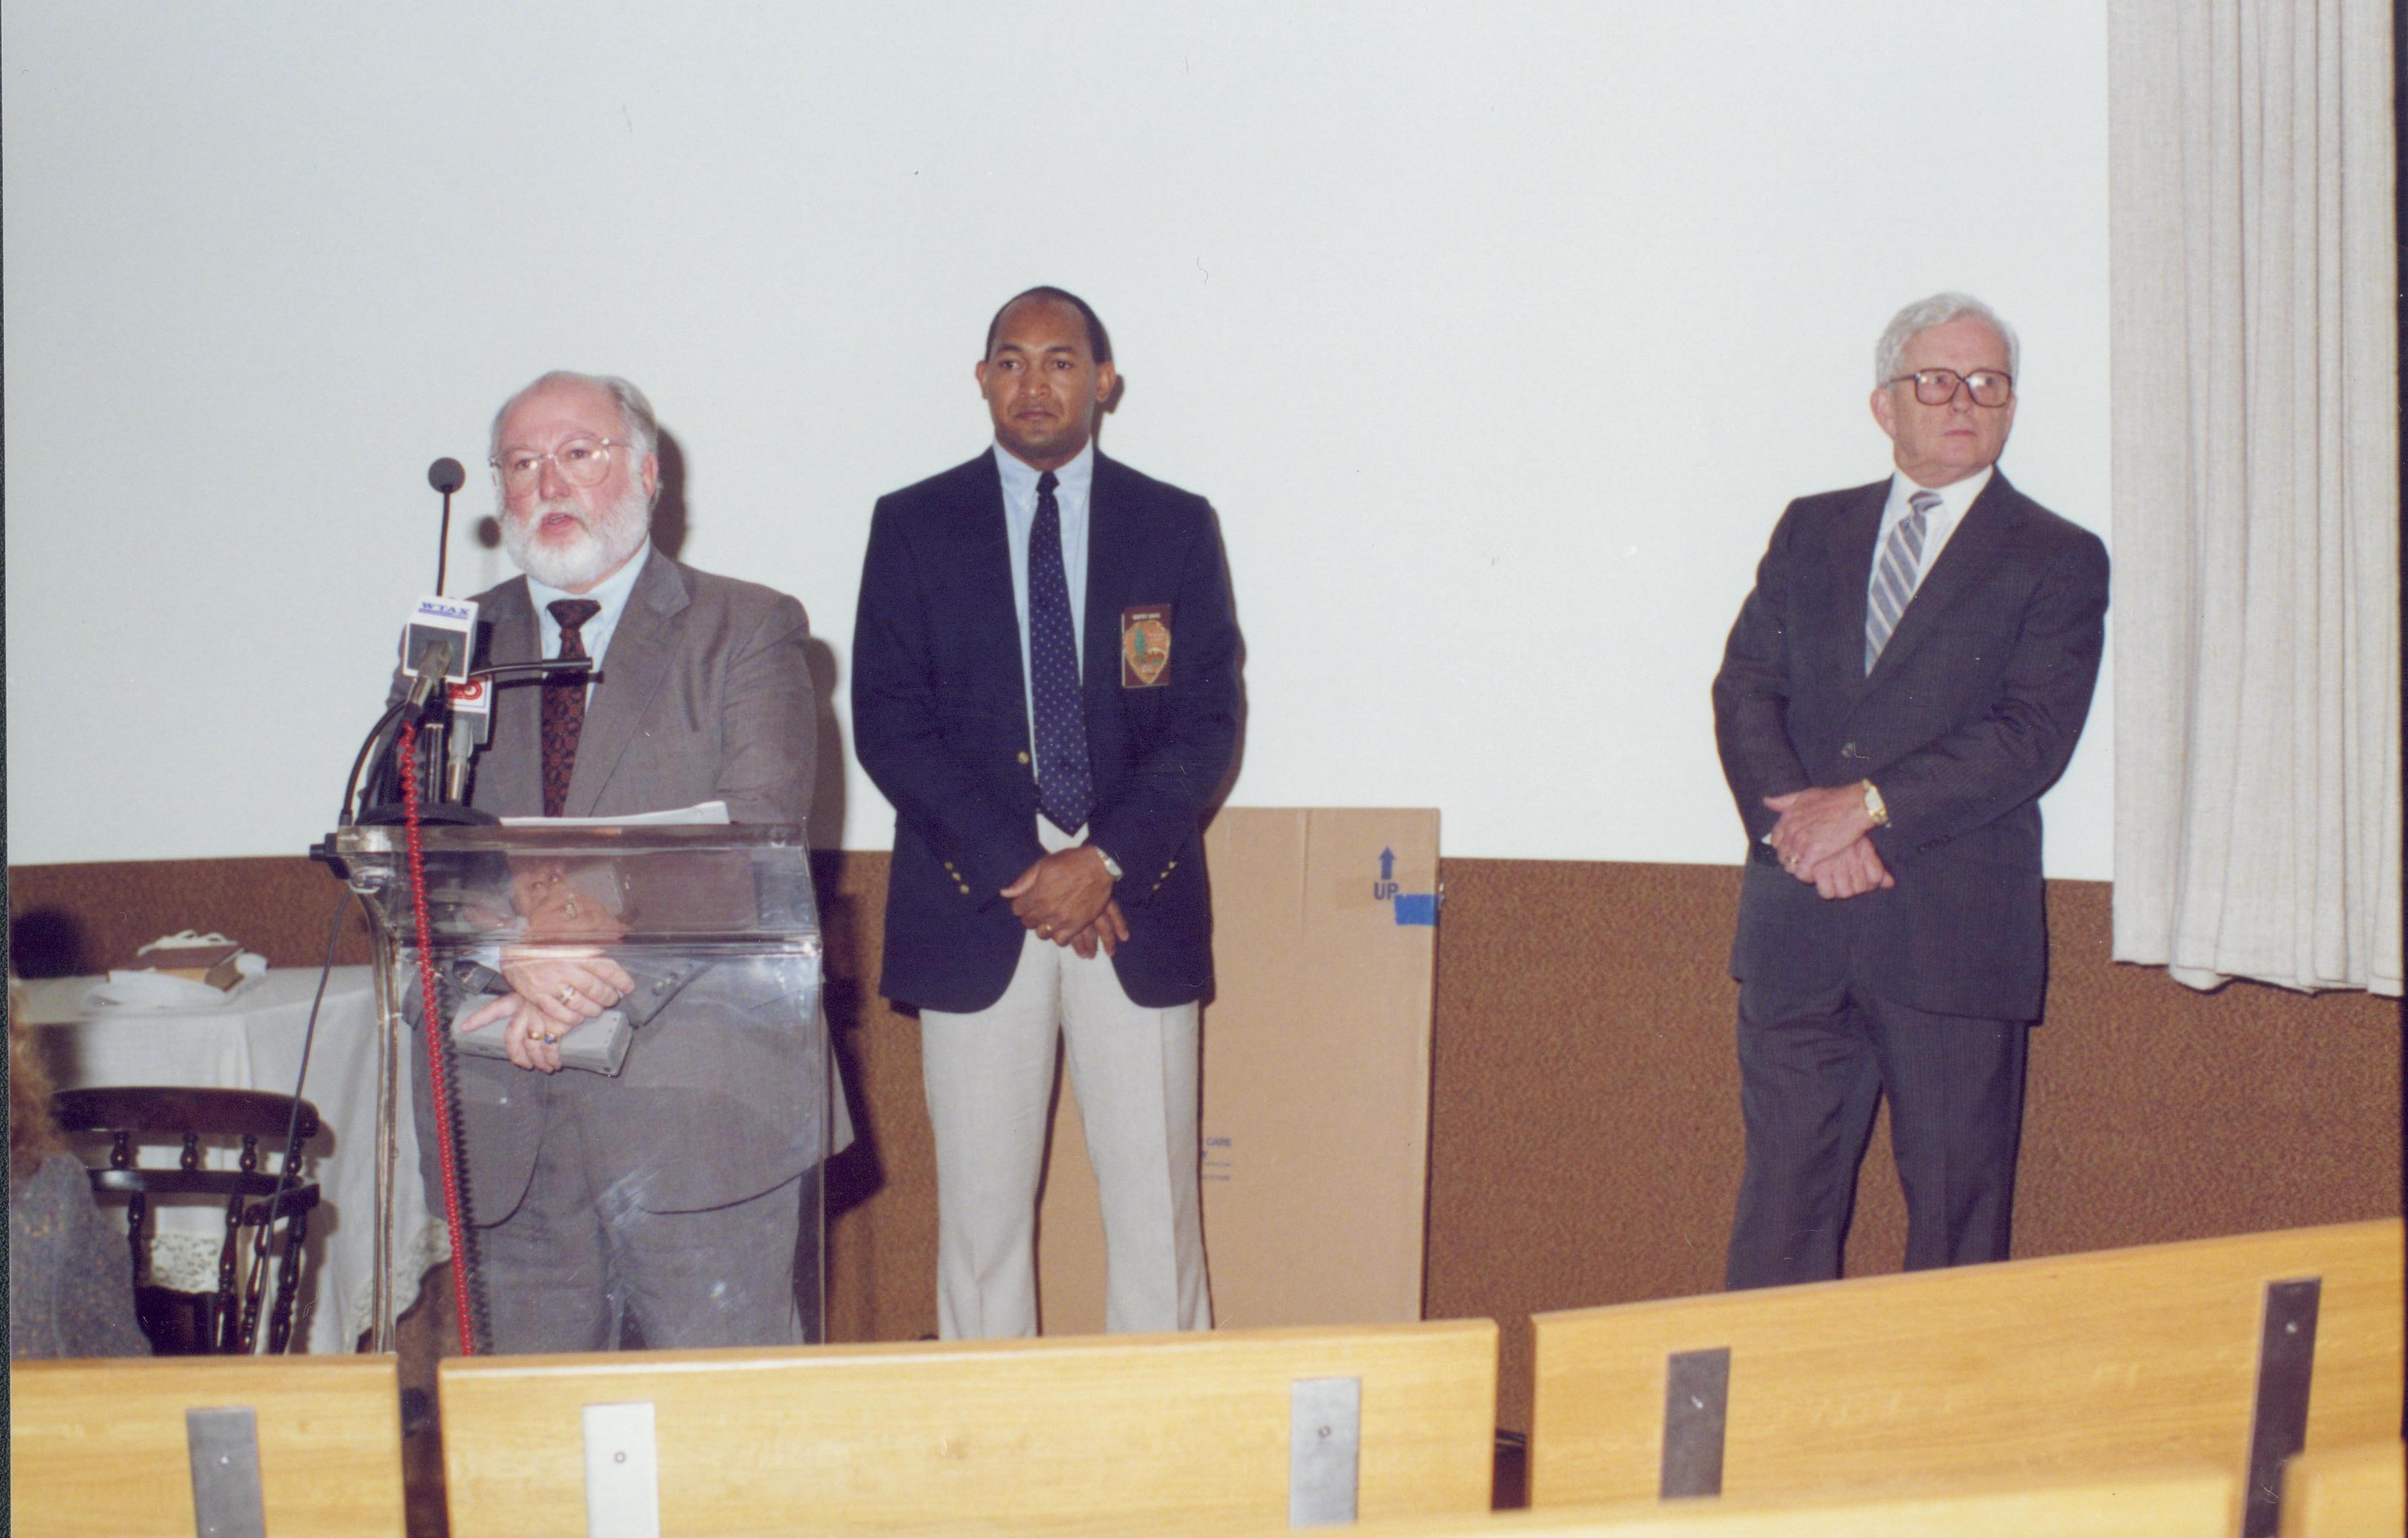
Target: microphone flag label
440	620
472	712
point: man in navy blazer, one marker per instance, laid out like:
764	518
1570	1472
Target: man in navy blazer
1045	686
1910	673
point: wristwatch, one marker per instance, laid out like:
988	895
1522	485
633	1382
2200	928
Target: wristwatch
1873	807
1111	866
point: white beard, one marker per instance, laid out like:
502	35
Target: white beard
597	547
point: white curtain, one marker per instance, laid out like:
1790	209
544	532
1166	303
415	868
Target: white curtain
2257	491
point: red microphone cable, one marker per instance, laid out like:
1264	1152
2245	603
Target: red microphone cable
435	1027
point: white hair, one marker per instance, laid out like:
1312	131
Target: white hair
1922	315
642	429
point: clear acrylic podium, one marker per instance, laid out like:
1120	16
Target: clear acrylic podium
674	1181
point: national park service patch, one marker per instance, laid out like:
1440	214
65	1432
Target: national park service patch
1145	646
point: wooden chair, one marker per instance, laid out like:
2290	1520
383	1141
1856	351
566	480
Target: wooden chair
2201	1352
2339	1491
2157	1503
1162	1432
227	1319
135	1447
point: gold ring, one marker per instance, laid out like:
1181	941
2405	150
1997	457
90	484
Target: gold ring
1045	928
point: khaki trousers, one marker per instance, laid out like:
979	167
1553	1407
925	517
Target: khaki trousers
990	1078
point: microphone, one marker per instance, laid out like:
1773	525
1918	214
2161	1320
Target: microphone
445	476
436	644
472	724
431	665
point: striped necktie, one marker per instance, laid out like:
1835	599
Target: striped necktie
1896	573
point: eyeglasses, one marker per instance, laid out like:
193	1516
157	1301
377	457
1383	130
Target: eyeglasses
1938	386
580	461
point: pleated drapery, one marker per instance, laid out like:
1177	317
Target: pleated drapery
2257	491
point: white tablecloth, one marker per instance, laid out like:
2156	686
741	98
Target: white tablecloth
252	1041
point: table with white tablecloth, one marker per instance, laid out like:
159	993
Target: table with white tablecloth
252	1040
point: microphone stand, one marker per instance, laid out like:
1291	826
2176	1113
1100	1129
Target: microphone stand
435	807
445	476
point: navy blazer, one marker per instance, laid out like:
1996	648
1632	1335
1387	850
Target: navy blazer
941	721
1971	712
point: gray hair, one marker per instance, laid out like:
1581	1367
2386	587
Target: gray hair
642	428
1923	315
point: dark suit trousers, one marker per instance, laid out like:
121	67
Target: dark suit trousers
1812	1068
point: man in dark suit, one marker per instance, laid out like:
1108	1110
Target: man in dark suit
669	1191
1910	674
1045	687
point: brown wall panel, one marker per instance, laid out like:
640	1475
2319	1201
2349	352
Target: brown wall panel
1586	1149
71	920
1584	1137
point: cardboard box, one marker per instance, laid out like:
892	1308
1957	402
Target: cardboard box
1316	1080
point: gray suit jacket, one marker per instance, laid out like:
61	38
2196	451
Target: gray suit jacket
1971	712
704	695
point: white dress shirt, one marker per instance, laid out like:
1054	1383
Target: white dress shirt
1937	524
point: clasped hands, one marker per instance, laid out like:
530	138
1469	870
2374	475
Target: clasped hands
1067	898
553	990
1821	841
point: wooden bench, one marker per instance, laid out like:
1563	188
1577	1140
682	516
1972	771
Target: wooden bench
1156	1432
130	1446
2200	1352
2338	1491
2156	1503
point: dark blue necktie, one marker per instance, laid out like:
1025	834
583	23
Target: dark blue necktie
1066	785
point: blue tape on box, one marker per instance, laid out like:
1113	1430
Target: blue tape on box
1417	907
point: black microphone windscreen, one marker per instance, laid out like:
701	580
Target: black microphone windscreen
445	476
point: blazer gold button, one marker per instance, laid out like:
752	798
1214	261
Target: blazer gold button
1023	758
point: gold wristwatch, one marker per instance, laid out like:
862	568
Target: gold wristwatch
1873	807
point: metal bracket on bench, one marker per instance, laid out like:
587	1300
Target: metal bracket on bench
1697	1396
223	1448
622	1471
1325	1440
2278	1427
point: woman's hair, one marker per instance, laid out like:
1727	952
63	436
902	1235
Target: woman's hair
32	1134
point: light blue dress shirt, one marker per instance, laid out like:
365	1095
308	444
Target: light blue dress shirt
612	595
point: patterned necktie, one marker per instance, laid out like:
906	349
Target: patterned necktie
1896	573
564	704
1065	785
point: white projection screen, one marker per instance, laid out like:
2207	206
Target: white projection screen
1498	333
